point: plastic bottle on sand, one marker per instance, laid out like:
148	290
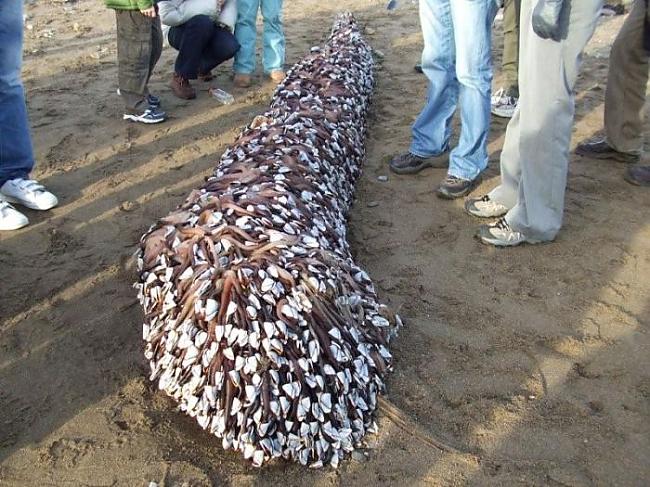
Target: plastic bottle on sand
221	96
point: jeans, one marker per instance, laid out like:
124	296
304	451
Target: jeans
246	33
139	45
202	46
457	61
16	153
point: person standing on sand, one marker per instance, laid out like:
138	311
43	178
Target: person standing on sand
16	151
139	45
504	101
535	157
246	33
627	81
457	61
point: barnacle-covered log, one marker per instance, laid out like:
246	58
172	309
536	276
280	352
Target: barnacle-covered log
257	320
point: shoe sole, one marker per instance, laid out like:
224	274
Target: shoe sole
610	156
181	97
436	162
410	169
446	195
498	243
502	114
16	227
26	204
635	182
479	215
133	118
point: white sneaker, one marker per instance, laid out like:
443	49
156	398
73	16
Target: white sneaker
500	234
503	105
29	193
484	207
10	218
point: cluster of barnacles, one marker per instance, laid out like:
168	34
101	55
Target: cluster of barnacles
257	320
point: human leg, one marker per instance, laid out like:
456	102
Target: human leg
156	47
626	84
510	60
222	46
472	24
546	117
191	39
246	34
432	128
16	153
274	42
135	52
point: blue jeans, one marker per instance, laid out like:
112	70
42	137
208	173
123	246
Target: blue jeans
246	34
16	153
457	60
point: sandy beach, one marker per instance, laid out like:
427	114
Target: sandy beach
532	363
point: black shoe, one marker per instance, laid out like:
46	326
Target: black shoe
600	149
453	187
418	68
638	175
409	163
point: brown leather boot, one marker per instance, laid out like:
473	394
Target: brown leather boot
242	80
205	77
182	87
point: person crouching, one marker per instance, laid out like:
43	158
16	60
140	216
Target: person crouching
198	30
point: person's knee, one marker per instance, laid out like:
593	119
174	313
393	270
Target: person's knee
475	76
225	47
272	17
231	47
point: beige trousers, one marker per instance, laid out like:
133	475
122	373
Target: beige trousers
535	156
626	84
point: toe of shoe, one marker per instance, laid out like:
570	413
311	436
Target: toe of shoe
14	221
43	202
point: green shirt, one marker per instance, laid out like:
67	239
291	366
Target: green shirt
129	4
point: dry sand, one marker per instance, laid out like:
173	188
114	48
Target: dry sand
533	362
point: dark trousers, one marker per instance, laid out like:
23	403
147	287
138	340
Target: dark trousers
139	45
202	45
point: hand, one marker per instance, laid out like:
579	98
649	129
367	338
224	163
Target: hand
546	19
149	12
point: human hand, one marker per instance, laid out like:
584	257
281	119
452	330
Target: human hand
149	12
546	19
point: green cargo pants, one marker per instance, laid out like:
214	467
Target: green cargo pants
139	45
510	63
